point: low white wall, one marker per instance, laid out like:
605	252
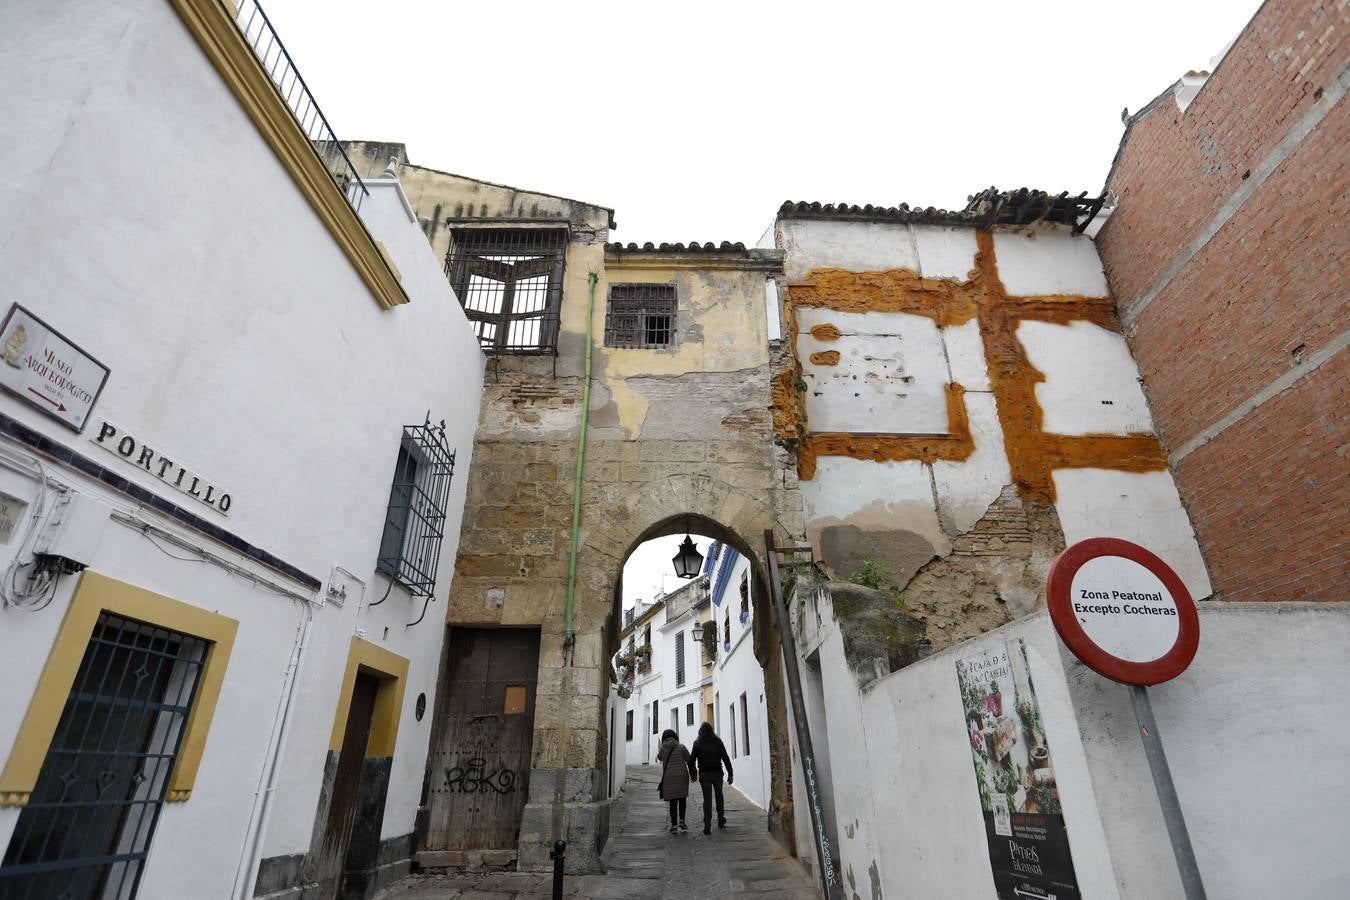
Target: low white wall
1258	740
1257	743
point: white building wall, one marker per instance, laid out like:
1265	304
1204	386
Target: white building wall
147	220
907	807
737	672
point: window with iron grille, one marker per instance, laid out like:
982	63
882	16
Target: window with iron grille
509	281
679	659
414	524
640	315
656	708
628	727
689	714
745	597
86	829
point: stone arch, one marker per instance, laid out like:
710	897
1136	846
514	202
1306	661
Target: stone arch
633	514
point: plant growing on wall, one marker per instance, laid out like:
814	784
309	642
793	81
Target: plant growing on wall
878	577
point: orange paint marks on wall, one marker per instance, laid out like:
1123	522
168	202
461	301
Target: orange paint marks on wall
826	332
1033	454
955	446
825	358
895	290
785	405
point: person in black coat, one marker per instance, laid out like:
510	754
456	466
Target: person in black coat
706	761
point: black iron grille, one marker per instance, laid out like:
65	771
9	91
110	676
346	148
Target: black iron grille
509	281
86	829
640	315
414	526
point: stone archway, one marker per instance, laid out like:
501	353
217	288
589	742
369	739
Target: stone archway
735	515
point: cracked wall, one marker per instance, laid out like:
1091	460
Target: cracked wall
960	402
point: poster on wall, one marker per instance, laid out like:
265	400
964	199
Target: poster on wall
1015	775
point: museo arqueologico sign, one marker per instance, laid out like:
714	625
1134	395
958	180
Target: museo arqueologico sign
39	366
1015	775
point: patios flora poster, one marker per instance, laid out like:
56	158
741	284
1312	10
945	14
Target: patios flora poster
1015	774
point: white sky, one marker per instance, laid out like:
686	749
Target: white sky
650	569
695	121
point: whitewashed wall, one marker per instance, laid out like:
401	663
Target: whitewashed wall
1261	763
738	672
891	376
147	219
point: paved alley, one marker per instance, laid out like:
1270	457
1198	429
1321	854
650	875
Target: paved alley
645	862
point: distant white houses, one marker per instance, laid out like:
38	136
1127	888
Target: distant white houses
678	682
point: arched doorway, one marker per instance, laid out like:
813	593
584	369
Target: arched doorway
730	600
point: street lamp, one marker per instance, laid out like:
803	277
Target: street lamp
688	562
698	632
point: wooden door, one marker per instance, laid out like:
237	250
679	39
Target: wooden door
479	762
337	834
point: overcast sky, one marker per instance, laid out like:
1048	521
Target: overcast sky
650	569
694	121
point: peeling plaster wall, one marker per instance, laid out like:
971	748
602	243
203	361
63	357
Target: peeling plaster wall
973	373
672	431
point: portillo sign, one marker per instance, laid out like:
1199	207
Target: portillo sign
1123	611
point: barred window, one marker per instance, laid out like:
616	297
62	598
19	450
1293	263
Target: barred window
414	524
640	315
88	826
509	281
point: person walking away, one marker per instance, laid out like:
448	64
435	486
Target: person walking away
709	755
675	774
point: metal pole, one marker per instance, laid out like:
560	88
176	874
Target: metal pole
1167	794
558	854
829	885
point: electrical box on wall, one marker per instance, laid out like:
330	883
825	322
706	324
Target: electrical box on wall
71	532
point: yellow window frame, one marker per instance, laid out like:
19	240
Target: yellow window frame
95	594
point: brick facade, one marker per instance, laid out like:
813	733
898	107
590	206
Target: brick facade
1265	296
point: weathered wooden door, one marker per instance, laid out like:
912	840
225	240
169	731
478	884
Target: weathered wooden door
479	764
337	834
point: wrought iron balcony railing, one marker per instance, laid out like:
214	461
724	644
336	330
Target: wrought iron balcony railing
262	36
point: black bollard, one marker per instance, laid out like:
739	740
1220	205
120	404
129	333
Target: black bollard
558	854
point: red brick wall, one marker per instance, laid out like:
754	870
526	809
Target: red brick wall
1269	495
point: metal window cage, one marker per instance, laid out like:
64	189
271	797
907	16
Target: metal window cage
414	528
88	827
640	315
509	281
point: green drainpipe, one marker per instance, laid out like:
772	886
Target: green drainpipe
570	636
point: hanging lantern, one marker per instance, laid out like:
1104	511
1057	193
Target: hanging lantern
688	562
698	632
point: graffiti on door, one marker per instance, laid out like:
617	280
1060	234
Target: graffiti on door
474	776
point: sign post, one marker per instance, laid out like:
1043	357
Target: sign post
1124	612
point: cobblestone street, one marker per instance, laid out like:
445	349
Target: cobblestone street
645	862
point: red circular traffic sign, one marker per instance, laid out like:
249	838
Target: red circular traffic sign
1123	611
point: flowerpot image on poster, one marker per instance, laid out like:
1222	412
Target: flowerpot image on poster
1024	825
